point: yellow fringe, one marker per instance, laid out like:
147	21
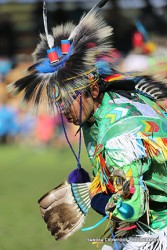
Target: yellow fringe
97	185
154	146
162	146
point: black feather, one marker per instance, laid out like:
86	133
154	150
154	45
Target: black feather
38	94
118	85
22	83
151	88
30	90
144	85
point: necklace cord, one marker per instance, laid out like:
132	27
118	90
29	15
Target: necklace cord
80	137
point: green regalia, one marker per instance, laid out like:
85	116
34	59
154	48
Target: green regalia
126	142
130	134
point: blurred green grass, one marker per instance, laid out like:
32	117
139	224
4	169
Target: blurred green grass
26	174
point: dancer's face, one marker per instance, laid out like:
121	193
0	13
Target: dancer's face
74	112
86	102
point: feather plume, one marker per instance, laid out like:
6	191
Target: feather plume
64	208
93	37
94	10
50	39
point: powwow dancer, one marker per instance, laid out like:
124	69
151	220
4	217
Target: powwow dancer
124	129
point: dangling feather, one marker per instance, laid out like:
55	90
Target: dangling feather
50	39
64	208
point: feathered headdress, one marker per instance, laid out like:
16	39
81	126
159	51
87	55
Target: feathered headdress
64	62
73	58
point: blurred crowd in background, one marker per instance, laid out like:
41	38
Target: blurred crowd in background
139	42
